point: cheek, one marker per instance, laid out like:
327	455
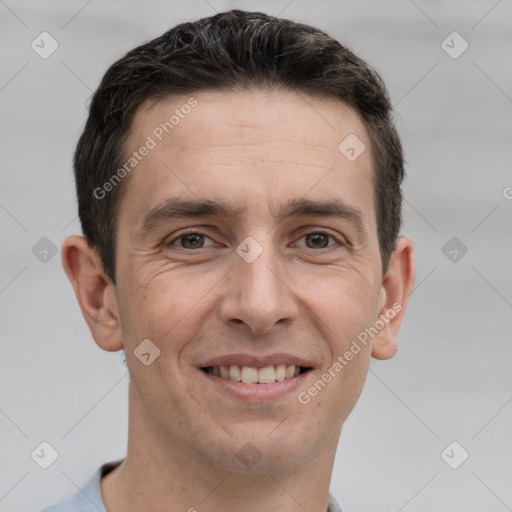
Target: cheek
166	307
342	305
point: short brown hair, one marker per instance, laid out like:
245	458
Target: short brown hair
231	51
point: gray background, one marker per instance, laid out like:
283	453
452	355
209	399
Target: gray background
451	379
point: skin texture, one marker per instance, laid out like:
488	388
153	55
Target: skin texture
256	150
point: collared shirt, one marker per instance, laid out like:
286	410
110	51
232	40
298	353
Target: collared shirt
88	498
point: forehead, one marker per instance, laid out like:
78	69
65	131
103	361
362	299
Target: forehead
240	144
212	118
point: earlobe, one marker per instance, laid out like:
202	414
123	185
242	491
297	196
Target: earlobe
396	288
94	291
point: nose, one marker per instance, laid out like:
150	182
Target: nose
258	295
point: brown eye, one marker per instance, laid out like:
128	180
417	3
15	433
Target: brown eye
317	240
320	240
191	240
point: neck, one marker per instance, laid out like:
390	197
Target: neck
170	476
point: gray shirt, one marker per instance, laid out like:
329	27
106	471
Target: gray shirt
88	498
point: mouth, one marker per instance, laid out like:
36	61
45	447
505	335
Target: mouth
254	378
256	375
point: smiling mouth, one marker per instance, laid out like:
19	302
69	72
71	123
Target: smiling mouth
254	375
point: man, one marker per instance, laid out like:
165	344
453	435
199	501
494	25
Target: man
238	181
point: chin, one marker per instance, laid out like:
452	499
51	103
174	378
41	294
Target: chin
258	449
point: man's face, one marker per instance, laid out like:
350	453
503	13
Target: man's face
256	289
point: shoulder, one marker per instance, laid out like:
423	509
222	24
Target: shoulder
333	504
73	504
85	499
88	497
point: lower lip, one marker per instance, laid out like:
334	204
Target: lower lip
257	392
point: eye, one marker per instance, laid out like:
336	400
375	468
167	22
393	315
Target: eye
313	240
191	240
319	240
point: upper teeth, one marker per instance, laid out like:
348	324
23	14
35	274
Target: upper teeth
252	375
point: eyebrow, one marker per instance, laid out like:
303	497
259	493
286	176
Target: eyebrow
178	208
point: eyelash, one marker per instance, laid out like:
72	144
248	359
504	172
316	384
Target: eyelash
319	232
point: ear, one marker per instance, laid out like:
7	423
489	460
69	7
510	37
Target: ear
394	296
95	292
